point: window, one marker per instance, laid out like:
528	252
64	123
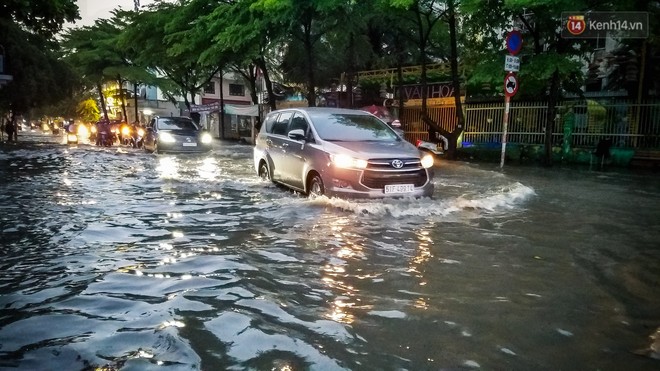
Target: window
298	122
270	121
210	88
176	123
237	90
280	126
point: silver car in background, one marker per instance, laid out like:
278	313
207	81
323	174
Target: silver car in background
340	153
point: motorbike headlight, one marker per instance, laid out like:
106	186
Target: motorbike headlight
166	138
125	131
93	129
206	138
347	162
82	131
427	161
72	137
141	132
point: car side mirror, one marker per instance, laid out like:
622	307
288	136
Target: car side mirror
297	134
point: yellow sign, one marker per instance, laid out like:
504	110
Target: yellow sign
448	101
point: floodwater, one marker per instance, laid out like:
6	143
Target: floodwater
113	258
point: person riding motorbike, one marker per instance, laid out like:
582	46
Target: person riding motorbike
137	135
104	135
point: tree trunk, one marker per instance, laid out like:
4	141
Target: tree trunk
121	97
453	137
261	63
311	94
253	84
550	117
399	75
135	100
222	106
105	110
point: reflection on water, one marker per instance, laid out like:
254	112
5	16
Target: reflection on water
122	259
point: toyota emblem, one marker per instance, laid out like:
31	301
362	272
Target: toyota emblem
187	139
397	164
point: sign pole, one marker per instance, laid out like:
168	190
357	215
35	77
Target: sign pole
507	100
511	64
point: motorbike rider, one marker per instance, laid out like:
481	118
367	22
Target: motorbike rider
137	134
103	132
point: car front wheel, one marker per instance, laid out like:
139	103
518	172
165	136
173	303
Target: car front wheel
264	172
316	187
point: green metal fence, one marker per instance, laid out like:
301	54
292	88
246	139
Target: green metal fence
628	124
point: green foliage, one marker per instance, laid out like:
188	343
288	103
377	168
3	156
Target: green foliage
44	17
158	31
39	76
88	110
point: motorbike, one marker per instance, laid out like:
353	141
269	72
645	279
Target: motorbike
125	135
92	133
104	136
137	139
437	148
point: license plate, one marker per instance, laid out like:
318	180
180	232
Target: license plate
399	188
186	144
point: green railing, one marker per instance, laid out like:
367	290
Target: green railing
628	124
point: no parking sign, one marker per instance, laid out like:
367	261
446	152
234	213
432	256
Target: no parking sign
510	84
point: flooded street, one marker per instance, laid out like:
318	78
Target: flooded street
117	258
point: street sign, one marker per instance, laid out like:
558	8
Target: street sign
510	84
511	63
514	42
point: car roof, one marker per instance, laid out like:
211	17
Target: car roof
173	117
326	110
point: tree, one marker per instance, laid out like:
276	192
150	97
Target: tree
156	31
30	58
306	22
43	17
39	76
427	16
87	49
88	111
550	64
240	35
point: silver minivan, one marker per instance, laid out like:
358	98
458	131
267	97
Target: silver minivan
340	153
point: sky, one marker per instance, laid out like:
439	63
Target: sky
90	10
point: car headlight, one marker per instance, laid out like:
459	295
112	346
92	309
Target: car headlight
348	162
206	138
427	161
166	138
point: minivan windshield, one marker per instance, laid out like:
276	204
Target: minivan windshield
348	127
176	123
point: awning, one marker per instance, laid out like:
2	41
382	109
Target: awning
252	110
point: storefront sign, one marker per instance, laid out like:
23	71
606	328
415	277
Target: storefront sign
433	90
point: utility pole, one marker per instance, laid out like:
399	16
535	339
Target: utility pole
137	5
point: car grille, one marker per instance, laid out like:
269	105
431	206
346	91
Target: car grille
380	172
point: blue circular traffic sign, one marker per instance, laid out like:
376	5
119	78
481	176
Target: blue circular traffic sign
514	42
